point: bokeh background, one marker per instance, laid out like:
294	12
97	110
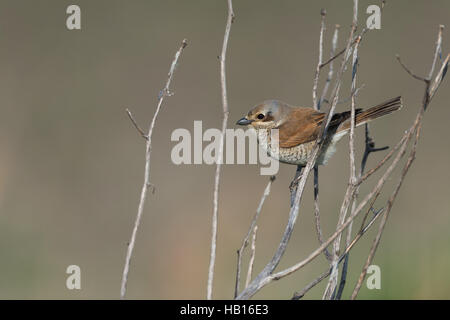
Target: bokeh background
71	164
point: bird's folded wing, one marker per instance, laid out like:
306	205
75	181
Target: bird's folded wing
303	125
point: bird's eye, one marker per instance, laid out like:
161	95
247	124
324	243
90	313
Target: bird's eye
260	116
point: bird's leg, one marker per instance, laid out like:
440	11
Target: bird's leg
294	184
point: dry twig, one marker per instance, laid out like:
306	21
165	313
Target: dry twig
266	275
431	87
247	236
316	77
301	293
331	286
252	257
317	105
165	92
223	82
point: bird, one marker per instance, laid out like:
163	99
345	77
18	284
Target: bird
299	127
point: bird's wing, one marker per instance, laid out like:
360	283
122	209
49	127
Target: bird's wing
304	124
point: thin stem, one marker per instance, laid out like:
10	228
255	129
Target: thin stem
223	81
317	212
252	257
317	73
298	295
331	69
247	236
350	193
437	51
147	184
337	87
430	89
358	209
138	128
266	275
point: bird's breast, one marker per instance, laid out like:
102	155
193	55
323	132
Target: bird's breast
297	155
294	155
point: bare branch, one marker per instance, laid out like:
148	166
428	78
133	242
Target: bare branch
266	275
147	184
317	106
335	94
247	237
437	51
317	212
301	293
412	74
377	188
331	69
384	160
369	148
415	128
343	281
317	74
331	59
350	194
252	257
438	80
230	19
133	121
352	188
381	227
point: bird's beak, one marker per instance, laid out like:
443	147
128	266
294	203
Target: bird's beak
244	121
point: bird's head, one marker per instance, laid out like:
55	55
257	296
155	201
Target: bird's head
266	115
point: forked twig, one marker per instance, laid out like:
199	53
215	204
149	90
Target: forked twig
331	69
138	128
431	87
301	293
147	184
266	275
350	193
245	241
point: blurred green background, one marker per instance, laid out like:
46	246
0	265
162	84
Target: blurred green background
71	164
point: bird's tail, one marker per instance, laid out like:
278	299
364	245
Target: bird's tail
375	112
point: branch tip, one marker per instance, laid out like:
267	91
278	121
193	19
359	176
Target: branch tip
138	128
